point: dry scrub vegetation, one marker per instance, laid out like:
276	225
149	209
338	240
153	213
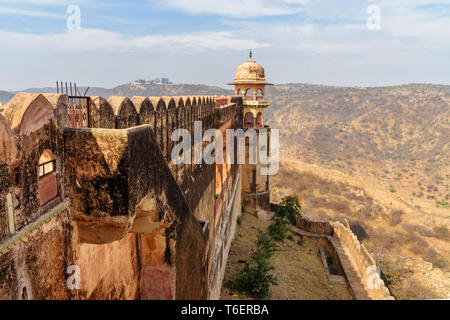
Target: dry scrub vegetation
381	158
411	249
298	268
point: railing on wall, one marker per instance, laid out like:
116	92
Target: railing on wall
78	112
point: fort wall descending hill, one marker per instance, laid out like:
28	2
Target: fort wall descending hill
94	208
353	260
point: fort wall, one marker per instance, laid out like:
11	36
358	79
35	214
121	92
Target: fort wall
354	261
137	225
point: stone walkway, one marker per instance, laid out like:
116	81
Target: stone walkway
351	274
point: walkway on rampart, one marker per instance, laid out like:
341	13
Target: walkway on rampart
354	281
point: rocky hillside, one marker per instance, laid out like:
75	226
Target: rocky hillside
146	90
5	96
380	158
398	137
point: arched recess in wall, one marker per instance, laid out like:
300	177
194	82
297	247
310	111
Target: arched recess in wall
179	112
28	112
161	123
103	117
259	120
144	109
187	107
125	112
48	184
170	124
249	121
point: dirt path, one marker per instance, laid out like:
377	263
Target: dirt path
299	270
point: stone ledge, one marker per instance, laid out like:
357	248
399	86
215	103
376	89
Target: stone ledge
10	243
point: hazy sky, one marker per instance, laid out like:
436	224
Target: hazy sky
203	41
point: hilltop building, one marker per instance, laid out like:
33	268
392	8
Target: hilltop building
150	82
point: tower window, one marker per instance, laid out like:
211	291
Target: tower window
46	164
259	120
249	121
48	185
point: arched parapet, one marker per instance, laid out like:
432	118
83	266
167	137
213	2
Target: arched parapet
179	112
171	124
60	103
158	103
8	148
170	103
187	101
179	102
8	153
144	108
125	112
160	120
28	112
102	114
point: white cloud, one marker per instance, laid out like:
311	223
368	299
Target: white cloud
236	8
31	13
88	40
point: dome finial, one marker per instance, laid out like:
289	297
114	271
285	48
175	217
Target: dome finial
251	54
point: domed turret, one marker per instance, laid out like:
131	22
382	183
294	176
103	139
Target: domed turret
250	71
250	76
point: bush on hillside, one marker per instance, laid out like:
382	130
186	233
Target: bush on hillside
255	278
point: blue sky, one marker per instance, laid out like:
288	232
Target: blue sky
203	41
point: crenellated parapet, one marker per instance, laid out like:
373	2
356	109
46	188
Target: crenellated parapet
366	269
109	162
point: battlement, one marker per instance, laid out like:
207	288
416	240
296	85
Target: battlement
112	159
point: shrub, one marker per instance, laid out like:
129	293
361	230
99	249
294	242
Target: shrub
279	228
239	220
265	247
255	278
441	204
290	208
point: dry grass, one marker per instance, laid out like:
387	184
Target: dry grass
299	270
386	223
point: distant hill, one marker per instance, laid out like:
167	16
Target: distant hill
360	130
146	90
5	96
379	157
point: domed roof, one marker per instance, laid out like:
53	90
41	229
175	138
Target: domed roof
250	71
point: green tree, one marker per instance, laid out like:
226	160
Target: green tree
290	207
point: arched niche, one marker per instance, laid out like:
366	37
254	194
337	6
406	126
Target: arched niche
259	120
249	121
48	184
102	114
125	112
28	112
144	108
